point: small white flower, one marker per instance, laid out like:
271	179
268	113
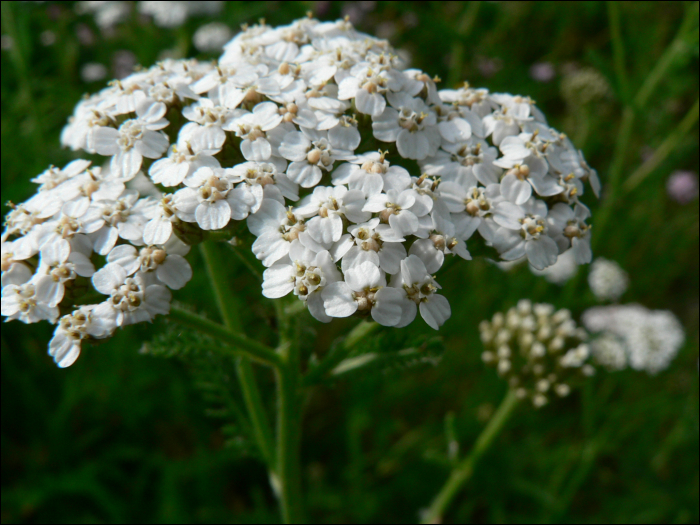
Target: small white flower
524	175
21	302
133	299
574	230
211	201
87	322
311	152
306	275
253	128
419	288
275	228
412	125
472	208
171	269
394	208
191	152
607	279
372	242
161	217
57	266
525	231
465	162
135	139
364	290
328	206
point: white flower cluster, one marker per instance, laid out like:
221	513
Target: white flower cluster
539	351
607	280
631	335
356	177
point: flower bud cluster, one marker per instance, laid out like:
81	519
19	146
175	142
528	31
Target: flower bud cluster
357	178
631	335
539	352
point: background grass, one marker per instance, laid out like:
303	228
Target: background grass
123	437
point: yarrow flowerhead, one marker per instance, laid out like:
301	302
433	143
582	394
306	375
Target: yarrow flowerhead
356	178
539	352
607	279
631	335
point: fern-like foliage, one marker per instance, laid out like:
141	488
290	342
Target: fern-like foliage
214	376
390	351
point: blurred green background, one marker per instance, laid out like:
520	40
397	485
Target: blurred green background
125	437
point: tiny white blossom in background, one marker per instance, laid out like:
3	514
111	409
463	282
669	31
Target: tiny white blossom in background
539	351
211	37
651	338
608	281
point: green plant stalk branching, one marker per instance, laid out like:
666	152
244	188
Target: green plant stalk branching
227	304
465	468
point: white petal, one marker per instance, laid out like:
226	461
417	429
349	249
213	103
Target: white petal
83	265
326	230
338	300
213	216
126	164
390	257
304	174
49	291
413	270
508	215
157	231
412	145
405	223
174	272
278	281
431	257
436	310
369	104
515	190
315	304
108	278
542	252
257	150
455	130
64	350
125	256
387	310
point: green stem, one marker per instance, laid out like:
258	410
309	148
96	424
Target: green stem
643	96
677	46
289	415
464	470
618	49
340	351
457	53
227	303
666	147
237	345
288	445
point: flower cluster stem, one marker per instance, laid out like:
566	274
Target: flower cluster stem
227	304
465	468
289	416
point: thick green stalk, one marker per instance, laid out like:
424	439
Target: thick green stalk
457	52
618	50
227	303
666	147
289	415
464	470
677	46
641	98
